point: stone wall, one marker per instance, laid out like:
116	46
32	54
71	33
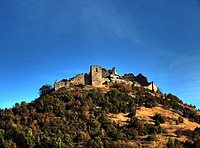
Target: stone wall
152	86
58	85
105	73
96	75
78	79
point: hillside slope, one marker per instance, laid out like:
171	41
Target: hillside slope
83	116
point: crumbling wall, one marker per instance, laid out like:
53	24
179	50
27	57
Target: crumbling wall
152	86
58	85
99	76
78	79
105	73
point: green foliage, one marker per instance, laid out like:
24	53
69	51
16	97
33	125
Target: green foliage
133	121
177	144
179	120
170	143
160	130
152	129
151	138
95	143
158	118
122	87
68	141
45	89
78	117
188	144
196	134
58	143
2	140
174	98
93	128
196	144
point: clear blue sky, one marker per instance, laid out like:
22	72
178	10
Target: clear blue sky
42	41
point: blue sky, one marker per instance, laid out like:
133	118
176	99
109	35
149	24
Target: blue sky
42	41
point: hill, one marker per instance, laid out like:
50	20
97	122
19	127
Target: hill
120	115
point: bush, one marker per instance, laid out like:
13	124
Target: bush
151	138
160	130
159	118
196	134
170	143
177	144
174	98
122	87
152	129
149	104
179	120
196	144
133	121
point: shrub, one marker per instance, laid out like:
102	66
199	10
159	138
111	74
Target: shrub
152	129
177	144
159	118
170	143
179	120
196	134
133	121
160	130
122	87
151	138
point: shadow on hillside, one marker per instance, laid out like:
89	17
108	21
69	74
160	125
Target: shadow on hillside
187	133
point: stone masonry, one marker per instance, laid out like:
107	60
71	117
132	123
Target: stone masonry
96	75
99	77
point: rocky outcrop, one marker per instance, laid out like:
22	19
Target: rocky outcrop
142	80
129	77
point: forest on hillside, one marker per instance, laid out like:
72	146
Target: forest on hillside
78	117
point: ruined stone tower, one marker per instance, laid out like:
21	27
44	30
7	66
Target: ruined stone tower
96	75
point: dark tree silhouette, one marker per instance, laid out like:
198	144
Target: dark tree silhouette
45	89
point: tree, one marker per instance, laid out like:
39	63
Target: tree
68	141
170	143
177	144
58	143
196	134
24	105
2	132
159	118
45	89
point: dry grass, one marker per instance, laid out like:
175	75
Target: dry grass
120	118
127	144
182	132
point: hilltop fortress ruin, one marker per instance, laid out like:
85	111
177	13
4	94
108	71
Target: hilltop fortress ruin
99	77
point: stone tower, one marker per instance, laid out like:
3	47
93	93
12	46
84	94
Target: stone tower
96	75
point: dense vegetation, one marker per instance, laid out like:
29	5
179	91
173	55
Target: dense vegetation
77	117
